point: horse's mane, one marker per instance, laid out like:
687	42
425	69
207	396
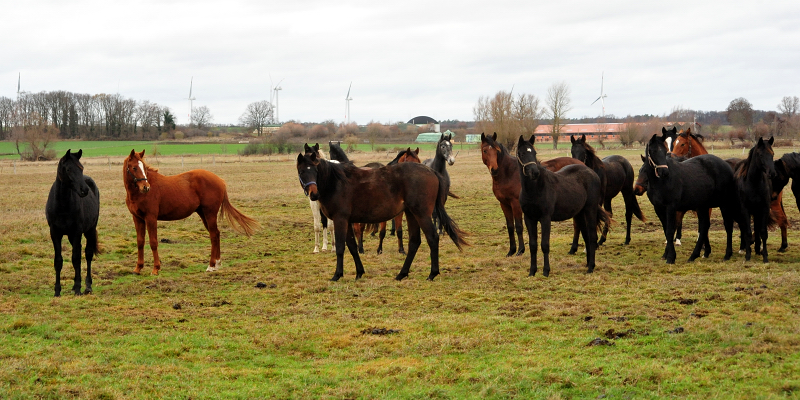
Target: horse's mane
744	165
321	154
338	154
146	165
332	173
596	161
792	161
397	158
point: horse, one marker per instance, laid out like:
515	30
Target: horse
753	180
73	208
616	176
444	156
320	221
687	144
152	197
348	194
406	155
506	187
699	183
573	192
788	166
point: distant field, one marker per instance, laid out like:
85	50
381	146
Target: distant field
123	148
270	324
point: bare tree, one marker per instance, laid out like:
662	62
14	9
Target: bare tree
6	116
483	118
789	106
201	116
629	133
376	130
32	136
258	115
558	105
527	112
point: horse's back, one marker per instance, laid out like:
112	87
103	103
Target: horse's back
73	213
619	175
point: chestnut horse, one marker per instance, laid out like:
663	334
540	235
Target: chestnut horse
348	194
152	197
616	176
506	186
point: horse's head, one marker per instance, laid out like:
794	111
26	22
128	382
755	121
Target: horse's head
670	136
135	172
490	152
765	154
640	186
307	172
337	154
656	153
445	148
579	148
70	172
526	155
410	156
687	144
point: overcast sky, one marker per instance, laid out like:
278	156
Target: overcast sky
405	58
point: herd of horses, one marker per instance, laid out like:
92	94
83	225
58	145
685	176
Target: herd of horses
677	174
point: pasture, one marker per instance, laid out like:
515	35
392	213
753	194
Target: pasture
270	324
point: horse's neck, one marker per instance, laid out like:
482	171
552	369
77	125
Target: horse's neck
593	161
698	149
507	166
755	171
439	164
66	199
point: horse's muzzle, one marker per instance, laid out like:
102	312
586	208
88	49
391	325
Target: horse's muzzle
144	188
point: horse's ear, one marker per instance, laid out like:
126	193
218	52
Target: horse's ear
771	140
316	146
415	151
67	153
307	149
583	138
78	154
532	140
483	137
141	155
760	141
572	139
494	136
300	158
520	141
133	153
441	137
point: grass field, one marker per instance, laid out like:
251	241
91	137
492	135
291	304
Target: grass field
482	329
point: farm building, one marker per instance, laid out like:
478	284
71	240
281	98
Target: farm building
423	121
609	131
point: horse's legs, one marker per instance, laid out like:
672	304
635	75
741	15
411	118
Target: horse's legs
332	230
139	224
397	223
784	225
210	221
508	213
350	239
58	260
516	211
340	229
533	234
75	241
317	223
91	246
703	223
394	227
575	233
381	236
727	221
358	231
325	231
546	245
432	237
679	227
589	233
662	217
607	207
152	230
763	233
414	241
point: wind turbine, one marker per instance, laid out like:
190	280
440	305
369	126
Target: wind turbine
19	80
602	96
347	103
190	100
277	111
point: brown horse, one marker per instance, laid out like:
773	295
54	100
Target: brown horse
348	194
152	197
406	155
688	145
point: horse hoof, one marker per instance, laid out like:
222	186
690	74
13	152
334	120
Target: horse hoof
510	253
519	253
380	251
358	276
572	252
782	250
677	242
87	291
400	277
432	276
403	252
546	273
137	270
336	278
316	250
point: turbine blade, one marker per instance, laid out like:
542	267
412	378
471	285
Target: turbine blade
348	90
595	101
191	82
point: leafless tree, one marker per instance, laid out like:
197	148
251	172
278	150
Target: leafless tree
376	130
508	116
527	112
6	116
201	116
257	115
789	106
558	105
629	133
32	136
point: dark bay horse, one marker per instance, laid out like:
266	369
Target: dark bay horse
696	184
754	181
573	192
506	187
73	208
348	194
788	166
406	155
152	197
616	176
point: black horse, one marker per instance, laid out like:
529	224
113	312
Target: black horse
616	174
444	156
348	194
697	184
754	181
73	208
573	192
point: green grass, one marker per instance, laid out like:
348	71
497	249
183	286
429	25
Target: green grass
482	329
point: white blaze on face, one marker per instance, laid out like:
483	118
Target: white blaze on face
141	166
669	143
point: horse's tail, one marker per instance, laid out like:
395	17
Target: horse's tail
239	222
372	228
633	205
443	221
97	248
449	193
603	220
